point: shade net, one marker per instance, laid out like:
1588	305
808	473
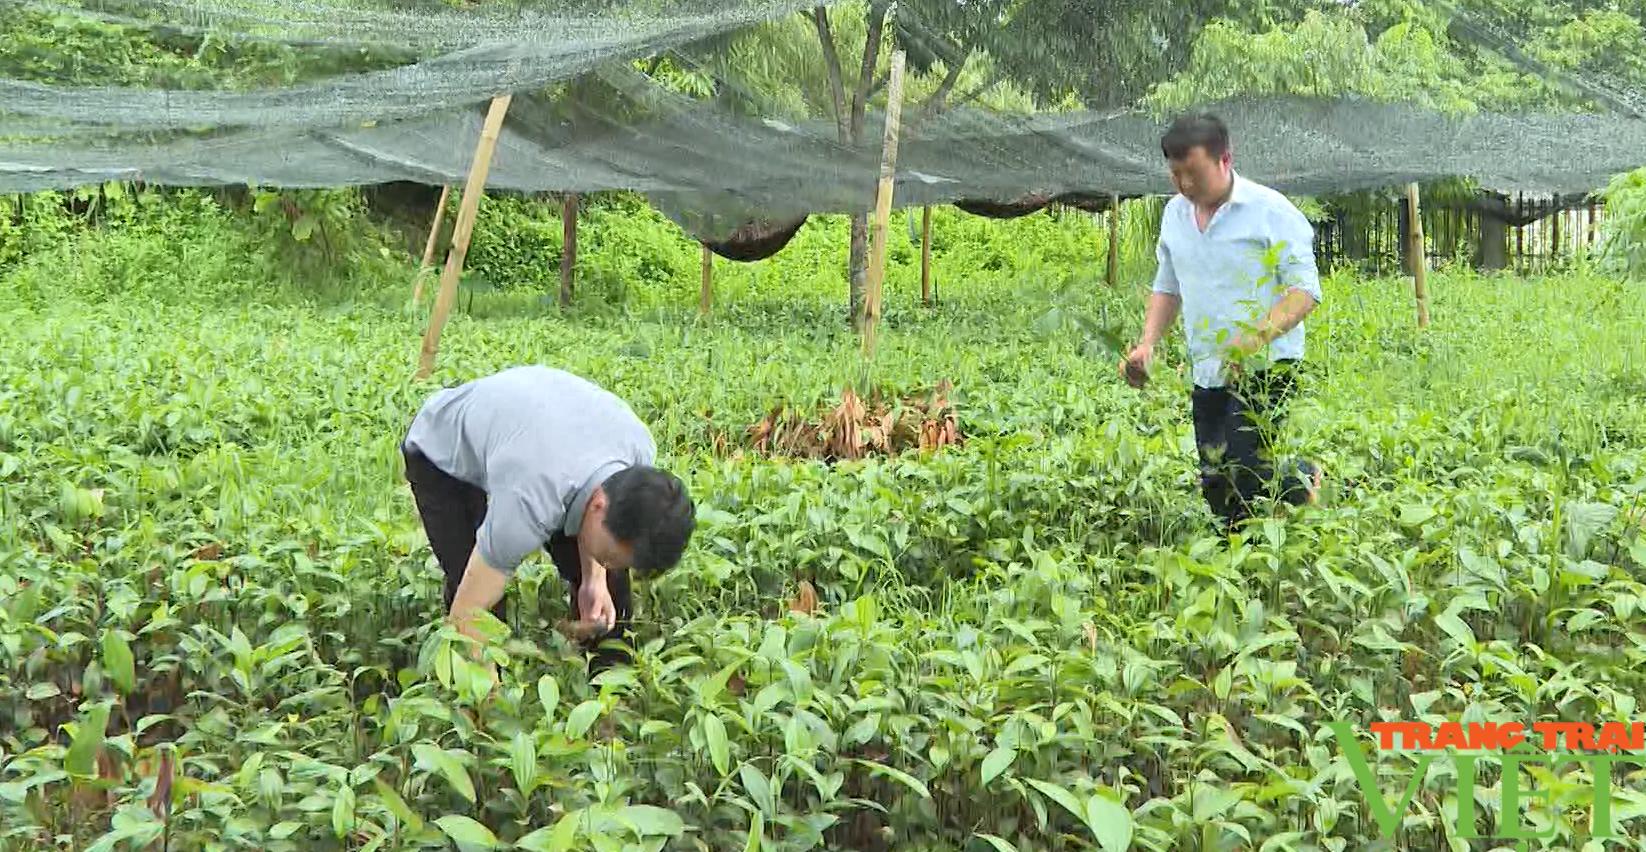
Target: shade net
756	113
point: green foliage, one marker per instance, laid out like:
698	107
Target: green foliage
1330	55
1029	641
67	50
188	246
32	223
1624	249
312	231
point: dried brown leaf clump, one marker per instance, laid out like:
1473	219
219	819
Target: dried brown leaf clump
854	428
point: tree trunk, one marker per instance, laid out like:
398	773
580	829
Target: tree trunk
568	248
857	266
850	114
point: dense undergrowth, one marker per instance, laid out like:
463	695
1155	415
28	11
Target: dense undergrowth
1032	641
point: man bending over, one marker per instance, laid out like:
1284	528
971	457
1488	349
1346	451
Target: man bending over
534	457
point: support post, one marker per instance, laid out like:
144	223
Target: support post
428	248
1554	238
883	206
568	247
926	254
1494	243
472	190
1420	262
706	295
1112	275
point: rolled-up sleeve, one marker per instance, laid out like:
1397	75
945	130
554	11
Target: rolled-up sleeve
511	532
1295	241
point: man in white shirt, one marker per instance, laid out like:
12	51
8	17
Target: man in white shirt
1237	259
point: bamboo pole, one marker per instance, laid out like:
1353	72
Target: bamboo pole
1420	262
472	190
883	206
568	247
428	248
1112	275
706	294
926	254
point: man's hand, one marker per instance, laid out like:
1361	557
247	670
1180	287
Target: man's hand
594	603
1162	310
1134	368
1244	346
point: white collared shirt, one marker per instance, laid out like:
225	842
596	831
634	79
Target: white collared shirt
1257	246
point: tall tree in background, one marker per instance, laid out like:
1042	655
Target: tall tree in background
1070	52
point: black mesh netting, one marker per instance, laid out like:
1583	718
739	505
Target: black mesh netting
741	118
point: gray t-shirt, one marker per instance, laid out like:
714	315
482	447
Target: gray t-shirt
538	441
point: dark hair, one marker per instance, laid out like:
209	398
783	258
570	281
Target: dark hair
649	510
1195	131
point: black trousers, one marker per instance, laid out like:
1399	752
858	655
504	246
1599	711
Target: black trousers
452	511
1235	427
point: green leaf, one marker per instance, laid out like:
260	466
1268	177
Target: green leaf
1061	796
397	806
467	833
650	820
1583	520
1110	823
88	741
581	718
1583	619
434	759
1212	802
897	775
548	691
996	762
118	662
757	828
304	228
523	760
1455	628
283	830
556	839
997	843
863	730
342	812
714	731
1027	662
759	789
1415	515
134	824
42	691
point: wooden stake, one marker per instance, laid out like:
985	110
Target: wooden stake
707	293
926	254
1113	274
568	247
1420	262
472	190
883	206
428	248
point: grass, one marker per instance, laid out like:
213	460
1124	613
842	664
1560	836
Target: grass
1033	641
